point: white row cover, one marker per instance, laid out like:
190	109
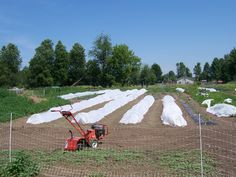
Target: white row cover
137	112
49	116
172	114
207	89
180	90
207	102
96	115
222	110
228	100
80	94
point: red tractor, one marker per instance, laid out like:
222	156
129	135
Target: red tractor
89	138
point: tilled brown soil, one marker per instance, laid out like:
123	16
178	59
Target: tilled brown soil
150	134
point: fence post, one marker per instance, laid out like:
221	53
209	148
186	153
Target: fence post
10	137
200	138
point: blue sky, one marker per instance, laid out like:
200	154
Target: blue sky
164	32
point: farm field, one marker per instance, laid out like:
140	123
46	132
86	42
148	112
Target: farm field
148	148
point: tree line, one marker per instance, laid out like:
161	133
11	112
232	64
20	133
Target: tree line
221	69
107	65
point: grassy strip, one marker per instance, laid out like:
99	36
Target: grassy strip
218	97
186	163
160	88
22	106
57	91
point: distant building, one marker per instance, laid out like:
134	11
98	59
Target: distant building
203	82
185	80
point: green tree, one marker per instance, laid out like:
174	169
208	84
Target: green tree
197	71
61	64
188	72
123	64
170	77
206	73
147	76
135	64
182	70
157	71
92	72
10	55
216	69
77	64
23	75
101	50
4	75
10	62
230	66
47	53
41	65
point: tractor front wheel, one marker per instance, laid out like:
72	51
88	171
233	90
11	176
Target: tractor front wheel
94	143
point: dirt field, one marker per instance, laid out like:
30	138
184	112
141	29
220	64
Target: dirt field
149	135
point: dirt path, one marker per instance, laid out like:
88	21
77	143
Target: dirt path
153	117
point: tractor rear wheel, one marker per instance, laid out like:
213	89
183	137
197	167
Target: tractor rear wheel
94	143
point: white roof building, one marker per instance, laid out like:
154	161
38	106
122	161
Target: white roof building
185	80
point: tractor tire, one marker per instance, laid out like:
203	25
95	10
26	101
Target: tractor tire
93	143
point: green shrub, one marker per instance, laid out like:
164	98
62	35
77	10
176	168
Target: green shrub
21	166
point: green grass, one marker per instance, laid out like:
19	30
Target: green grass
89	156
22	106
188	163
159	88
182	162
224	91
54	92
